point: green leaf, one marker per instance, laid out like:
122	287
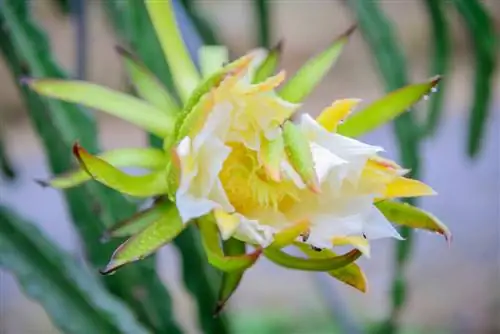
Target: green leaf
386	108
230	280
73	298
215	254
115	103
413	217
351	274
212	59
441	49
323	264
147	84
148	158
481	27
297	88
137	222
92	206
148	240
185	74
148	185
269	65
299	154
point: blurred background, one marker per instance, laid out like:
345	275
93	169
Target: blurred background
452	289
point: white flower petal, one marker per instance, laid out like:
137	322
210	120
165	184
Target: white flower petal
190	207
251	230
376	226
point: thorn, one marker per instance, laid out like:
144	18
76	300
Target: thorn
349	31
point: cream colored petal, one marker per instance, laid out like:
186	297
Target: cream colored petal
376	226
251	230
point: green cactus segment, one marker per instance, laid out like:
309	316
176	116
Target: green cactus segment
407	215
147	84
148	240
148	185
184	73
115	103
74	299
137	222
321	264
230	280
386	109
269	65
215	254
299	154
481	27
350	274
441	60
297	88
147	158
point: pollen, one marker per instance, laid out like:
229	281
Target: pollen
247	185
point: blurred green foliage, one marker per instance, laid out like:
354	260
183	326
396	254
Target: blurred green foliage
74	298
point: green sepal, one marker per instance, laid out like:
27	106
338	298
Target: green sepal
269	65
148	240
313	71
385	109
408	215
230	280
324	264
350	274
299	155
211	243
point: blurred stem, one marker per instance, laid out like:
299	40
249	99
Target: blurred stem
79	11
442	43
6	168
262	9
379	33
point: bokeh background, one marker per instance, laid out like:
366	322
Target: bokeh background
453	289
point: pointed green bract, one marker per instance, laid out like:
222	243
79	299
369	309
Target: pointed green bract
137	222
324	264
115	103
268	66
271	155
410	216
230	280
386	108
147	84
212	59
148	158
311	73
351	274
148	240
299	154
185	74
148	185
215	254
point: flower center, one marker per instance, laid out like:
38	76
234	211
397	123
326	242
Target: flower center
248	187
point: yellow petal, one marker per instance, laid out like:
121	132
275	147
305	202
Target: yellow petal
268	84
405	187
356	241
331	116
226	222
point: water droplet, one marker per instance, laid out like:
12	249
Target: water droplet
426	97
434	89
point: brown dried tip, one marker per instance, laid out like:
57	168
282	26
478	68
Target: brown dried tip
124	52
278	48
435	80
349	31
219	307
